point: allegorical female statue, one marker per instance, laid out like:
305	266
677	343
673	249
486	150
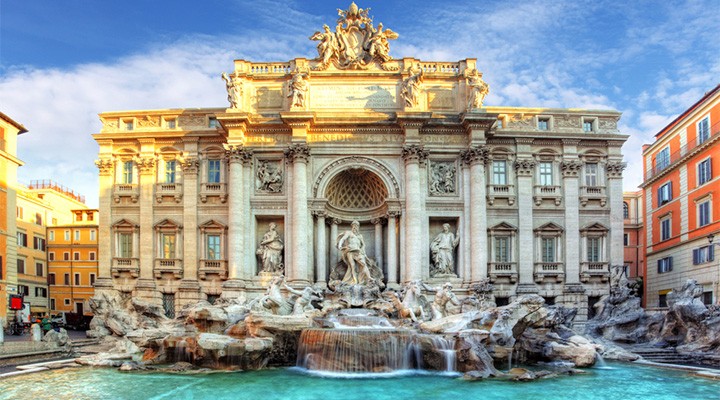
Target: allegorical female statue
442	248
270	250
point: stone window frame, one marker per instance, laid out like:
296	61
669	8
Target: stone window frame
502	121
122	157
593	124
551	158
125	226
545	231
501	154
698	128
165	155
704	171
503	229
213	153
700	202
170	122
594	231
549	119
212	122
123	123
213	227
664	196
665	219
164	228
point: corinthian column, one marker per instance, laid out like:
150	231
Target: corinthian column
476	157
298	155
614	171
570	171
392	250
524	170
321	253
106	167
413	155
235	155
146	284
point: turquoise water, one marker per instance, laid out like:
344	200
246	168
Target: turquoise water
617	383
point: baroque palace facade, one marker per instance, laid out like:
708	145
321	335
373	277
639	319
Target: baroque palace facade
200	203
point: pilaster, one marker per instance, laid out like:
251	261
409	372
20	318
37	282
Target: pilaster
570	173
614	170
477	157
524	168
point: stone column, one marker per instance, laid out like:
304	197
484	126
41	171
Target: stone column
526	254
378	242
614	170
236	219
392	267
465	240
145	287
249	266
333	246
298	154
105	239
190	287
477	157
321	252
570	172
414	248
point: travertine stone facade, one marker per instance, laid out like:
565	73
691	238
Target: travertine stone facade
528	191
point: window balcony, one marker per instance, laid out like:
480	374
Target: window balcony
129	265
549	271
168	265
553	193
590	270
208	267
501	192
503	270
213	189
174	190
588	193
126	190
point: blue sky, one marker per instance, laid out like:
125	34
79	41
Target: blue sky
63	62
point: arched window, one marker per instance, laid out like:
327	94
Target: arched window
626	210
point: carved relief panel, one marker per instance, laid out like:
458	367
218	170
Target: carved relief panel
442	179
269	177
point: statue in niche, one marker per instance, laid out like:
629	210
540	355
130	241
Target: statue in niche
443	178
297	89
269	178
443	296
270	250
328	46
352	247
234	90
410	90
442	249
478	89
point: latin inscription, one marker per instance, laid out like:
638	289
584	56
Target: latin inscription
350	137
373	97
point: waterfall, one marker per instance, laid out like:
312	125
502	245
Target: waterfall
446	347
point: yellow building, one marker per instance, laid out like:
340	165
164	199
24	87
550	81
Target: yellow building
72	262
41	204
9	131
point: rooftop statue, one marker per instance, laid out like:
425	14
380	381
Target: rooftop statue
478	89
234	90
355	44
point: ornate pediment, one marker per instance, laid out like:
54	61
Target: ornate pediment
356	42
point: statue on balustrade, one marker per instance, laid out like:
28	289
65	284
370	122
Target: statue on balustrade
270	251
297	89
442	249
328	46
410	90
234	90
478	89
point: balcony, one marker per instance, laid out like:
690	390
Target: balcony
677	156
588	193
168	265
549	271
503	270
553	193
501	192
129	265
174	190
126	190
590	270
208	267
213	189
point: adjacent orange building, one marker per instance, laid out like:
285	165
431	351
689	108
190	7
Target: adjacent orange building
9	163
73	262
634	235
681	192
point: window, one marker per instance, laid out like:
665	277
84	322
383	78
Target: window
548	249
51	279
24	290
52	304
707	298
591	174
626	239
499	170
502	249
543	124
662	159
587	125
77	235
91	256
703	254
664	265
78	216
66	279
66	235
703	130
77	279
626	210
170	123
22	239
40	292
66	256
593	249
546	174
66	302
213	247
213	122
19	212
92	279
38	219
51	256
39	269
90	216
38	243
665	228
51	235
168	300
170	167
125	245
703	211
665	193
20	265
76	256
704	171
213	171
127	172
167	242
92	235
499	123
128	124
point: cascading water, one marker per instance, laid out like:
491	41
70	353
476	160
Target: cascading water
446	347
